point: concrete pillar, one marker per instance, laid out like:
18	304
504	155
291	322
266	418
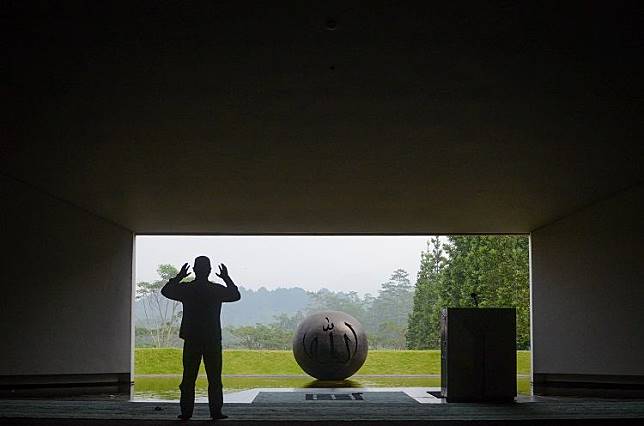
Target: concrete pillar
588	299
65	309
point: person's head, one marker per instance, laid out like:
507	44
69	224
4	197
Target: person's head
201	267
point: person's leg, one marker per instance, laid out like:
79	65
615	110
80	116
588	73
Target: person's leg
191	361
212	362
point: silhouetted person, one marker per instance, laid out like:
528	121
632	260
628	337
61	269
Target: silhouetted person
201	330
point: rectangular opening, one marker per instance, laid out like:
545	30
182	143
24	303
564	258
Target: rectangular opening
393	285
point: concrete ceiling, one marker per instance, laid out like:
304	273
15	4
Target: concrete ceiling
208	117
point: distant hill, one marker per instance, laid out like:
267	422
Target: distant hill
255	306
260	306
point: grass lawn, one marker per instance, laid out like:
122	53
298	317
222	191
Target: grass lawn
168	361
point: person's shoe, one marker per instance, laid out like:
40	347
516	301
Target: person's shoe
183	417
218	416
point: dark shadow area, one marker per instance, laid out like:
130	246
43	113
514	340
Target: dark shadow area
333	384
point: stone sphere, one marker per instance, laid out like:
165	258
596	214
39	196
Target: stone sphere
330	345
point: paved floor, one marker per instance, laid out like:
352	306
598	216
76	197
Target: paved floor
245	408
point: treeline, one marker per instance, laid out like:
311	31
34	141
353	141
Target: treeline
384	317
401	316
276	335
493	268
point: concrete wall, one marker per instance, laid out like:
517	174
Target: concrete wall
588	292
66	288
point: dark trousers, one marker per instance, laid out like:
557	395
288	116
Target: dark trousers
192	353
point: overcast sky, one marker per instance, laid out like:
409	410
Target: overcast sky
346	263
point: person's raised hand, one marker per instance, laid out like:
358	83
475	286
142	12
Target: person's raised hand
183	272
223	272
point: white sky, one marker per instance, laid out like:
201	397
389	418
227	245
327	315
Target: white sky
346	263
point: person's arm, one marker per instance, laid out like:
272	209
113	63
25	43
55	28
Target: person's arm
173	289
230	293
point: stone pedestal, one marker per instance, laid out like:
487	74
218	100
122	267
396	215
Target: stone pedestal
478	354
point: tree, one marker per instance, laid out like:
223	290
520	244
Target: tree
349	302
384	317
286	322
422	332
495	268
162	315
263	336
390	310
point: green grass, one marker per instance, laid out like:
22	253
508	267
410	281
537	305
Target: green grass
168	361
